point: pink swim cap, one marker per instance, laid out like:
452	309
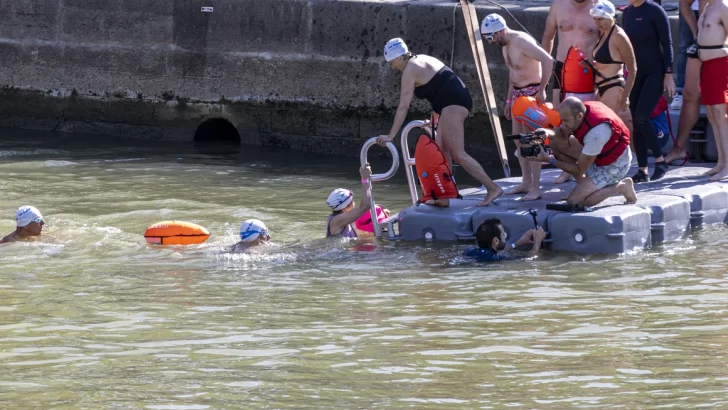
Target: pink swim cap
364	223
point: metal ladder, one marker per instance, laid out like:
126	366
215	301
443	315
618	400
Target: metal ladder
409	162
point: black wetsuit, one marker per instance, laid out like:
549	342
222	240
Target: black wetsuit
445	89
649	32
602	55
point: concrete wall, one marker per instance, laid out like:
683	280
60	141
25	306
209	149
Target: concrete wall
302	74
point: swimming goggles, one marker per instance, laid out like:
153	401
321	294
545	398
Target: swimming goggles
248	233
38	219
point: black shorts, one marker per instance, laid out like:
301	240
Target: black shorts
452	92
558	69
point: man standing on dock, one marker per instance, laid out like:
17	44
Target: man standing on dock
575	26
530	68
713	52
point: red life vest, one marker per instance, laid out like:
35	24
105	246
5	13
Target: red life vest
575	78
598	113
433	171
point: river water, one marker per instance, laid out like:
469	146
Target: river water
92	317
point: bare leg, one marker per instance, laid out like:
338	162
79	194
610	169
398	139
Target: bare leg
715	124
721	138
440	143
690	111
624	187
525	185
535	191
451	128
565	151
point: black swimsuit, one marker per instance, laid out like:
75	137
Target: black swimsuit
445	89
603	56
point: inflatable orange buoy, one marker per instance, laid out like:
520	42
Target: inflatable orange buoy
533	115
574	77
364	223
176	233
433	171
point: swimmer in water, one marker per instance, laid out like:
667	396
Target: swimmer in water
253	233
29	225
344	212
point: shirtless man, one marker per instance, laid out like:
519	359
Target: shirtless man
530	69
575	27
29	224
713	52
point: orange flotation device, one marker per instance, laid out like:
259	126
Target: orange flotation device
530	113
176	233
575	78
433	171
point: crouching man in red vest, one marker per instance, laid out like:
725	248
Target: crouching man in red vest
592	144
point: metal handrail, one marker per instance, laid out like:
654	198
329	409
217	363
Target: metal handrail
378	177
409	162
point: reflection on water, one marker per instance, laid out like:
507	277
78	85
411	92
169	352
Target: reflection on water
93	317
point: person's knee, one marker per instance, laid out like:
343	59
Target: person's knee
690	94
459	156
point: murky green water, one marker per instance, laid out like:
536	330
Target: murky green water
92	317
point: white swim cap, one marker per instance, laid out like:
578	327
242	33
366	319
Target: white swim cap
493	23
340	199
604	9
395	48
27	214
252	229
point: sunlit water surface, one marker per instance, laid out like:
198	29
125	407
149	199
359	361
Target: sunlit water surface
91	316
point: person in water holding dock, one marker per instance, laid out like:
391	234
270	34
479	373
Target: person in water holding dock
713	52
491	238
29	225
597	155
426	77
530	68
343	209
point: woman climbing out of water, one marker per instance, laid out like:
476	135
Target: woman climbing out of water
612	53
344	213
428	78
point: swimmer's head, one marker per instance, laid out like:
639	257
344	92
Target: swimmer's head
340	199
396	53
493	28
29	220
253	230
603	10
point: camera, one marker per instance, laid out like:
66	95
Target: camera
534	142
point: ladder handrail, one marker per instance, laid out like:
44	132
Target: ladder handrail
409	162
378	177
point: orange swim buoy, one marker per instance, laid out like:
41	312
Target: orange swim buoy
533	115
575	78
433	171
176	233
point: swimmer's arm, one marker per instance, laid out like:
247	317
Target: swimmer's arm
407	88
686	11
627	53
547	42
341	220
533	50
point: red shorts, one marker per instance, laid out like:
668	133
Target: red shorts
714	81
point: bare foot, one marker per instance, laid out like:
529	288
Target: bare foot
520	189
533	195
565	176
715	170
490	197
626	188
674	155
723	174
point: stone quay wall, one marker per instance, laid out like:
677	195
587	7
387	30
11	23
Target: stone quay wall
302	74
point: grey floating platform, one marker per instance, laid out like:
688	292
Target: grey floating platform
666	210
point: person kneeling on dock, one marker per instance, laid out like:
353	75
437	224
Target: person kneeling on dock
29	224
491	238
592	144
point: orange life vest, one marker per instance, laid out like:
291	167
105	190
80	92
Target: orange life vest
530	113
575	78
598	113
433	171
